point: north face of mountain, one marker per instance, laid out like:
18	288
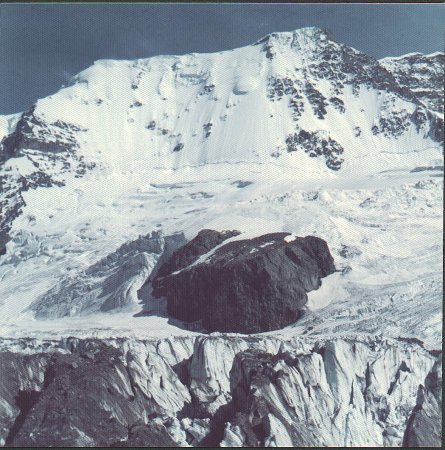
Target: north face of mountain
186	110
297	99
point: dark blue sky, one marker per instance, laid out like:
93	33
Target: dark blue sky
42	45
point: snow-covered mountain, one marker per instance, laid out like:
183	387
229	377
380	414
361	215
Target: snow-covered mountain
103	180
287	98
240	105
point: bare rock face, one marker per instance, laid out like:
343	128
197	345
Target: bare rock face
425	423
147	435
86	399
205	241
245	286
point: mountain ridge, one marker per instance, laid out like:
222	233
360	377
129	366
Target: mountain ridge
179	71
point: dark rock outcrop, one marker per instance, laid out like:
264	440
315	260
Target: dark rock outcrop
32	132
48	146
425	423
245	286
205	241
336	62
86	399
315	145
147	435
4	239
423	74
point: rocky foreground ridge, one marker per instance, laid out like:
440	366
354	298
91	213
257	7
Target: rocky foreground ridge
259	391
